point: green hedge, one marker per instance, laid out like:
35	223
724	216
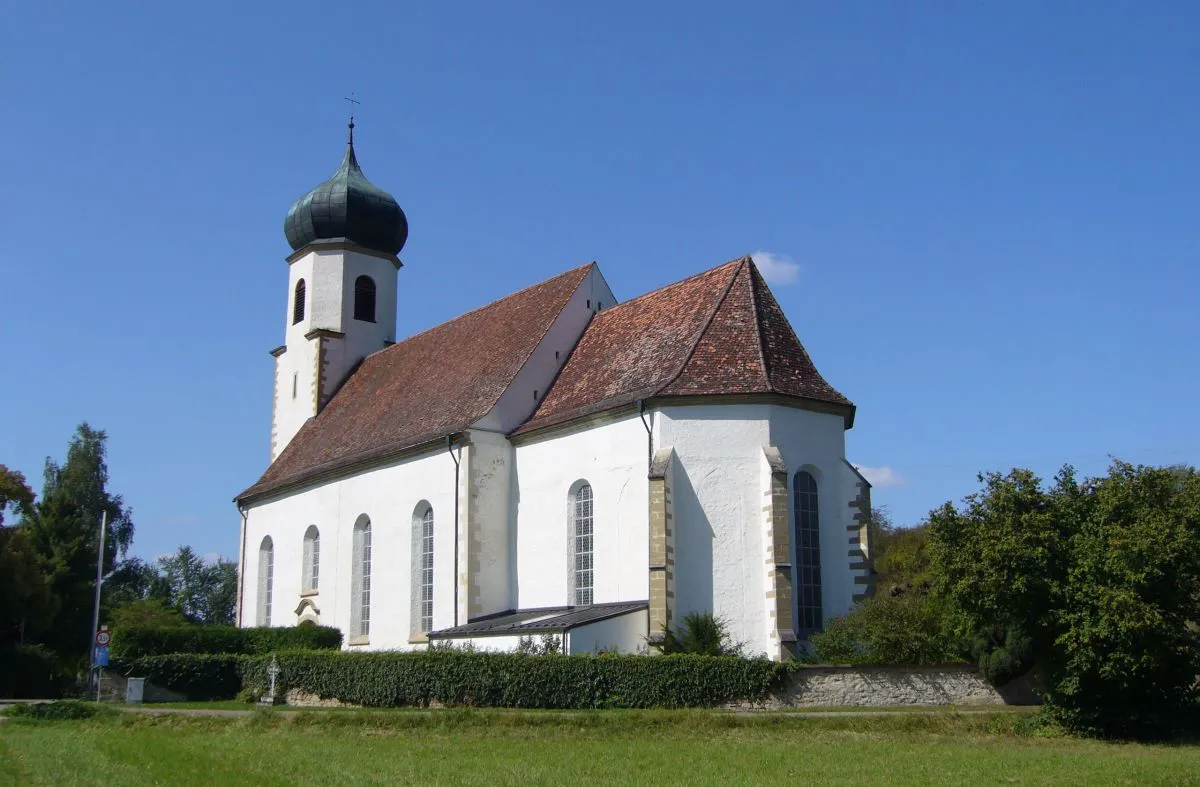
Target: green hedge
31	672
198	676
135	642
509	680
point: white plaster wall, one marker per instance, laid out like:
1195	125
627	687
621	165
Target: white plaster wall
612	456
817	442
488	522
298	362
627	633
388	495
496	642
329	304
518	402
716	489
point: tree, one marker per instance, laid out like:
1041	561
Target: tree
1001	561
14	491
1128	650
203	592
27	606
905	628
1096	583
63	528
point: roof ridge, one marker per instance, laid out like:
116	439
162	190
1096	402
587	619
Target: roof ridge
758	331
707	323
674	284
488	305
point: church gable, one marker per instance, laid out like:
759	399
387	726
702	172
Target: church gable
424	388
718	333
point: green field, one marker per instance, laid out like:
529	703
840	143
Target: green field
656	747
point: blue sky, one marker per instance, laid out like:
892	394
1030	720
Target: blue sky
983	216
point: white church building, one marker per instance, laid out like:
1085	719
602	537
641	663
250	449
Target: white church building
556	462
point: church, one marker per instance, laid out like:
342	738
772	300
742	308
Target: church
556	462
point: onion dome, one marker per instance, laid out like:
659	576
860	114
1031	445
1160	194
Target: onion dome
347	207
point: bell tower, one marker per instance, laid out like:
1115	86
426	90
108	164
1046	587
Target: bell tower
345	236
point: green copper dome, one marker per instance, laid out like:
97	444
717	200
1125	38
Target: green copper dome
347	207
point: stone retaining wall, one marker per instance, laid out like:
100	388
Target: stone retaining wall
838	686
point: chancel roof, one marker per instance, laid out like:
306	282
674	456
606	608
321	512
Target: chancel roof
717	333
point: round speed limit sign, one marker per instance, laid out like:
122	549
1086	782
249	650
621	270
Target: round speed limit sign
103	638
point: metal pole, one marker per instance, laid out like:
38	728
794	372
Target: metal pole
96	606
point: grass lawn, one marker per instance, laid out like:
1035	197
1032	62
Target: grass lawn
483	747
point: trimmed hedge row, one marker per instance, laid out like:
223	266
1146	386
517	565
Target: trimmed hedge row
134	642
510	680
198	676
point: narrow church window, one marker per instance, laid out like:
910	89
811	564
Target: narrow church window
808	556
583	546
427	570
364	299
298	303
360	580
312	559
295	381
266	580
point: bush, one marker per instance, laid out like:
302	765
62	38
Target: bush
905	629
198	676
513	680
66	710
31	672
701	633
135	642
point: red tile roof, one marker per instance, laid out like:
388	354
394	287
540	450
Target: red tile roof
720	332
426	387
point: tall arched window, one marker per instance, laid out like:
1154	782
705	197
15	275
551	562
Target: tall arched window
422	568
312	560
298	303
808	556
364	299
266	580
582	547
360	580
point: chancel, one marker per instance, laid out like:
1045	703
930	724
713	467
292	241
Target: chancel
556	462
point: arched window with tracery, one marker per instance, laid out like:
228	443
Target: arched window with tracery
298	302
583	545
312	560
360	580
266	580
807	543
364	299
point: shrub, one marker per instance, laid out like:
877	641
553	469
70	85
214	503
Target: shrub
198	676
65	710
32	672
513	680
135	642
910	628
704	634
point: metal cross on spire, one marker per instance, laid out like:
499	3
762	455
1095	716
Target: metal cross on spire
353	103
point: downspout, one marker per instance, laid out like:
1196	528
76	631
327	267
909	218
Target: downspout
457	462
649	434
242	565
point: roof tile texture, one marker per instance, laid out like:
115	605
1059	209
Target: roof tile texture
720	332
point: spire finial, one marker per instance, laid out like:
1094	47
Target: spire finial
353	102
